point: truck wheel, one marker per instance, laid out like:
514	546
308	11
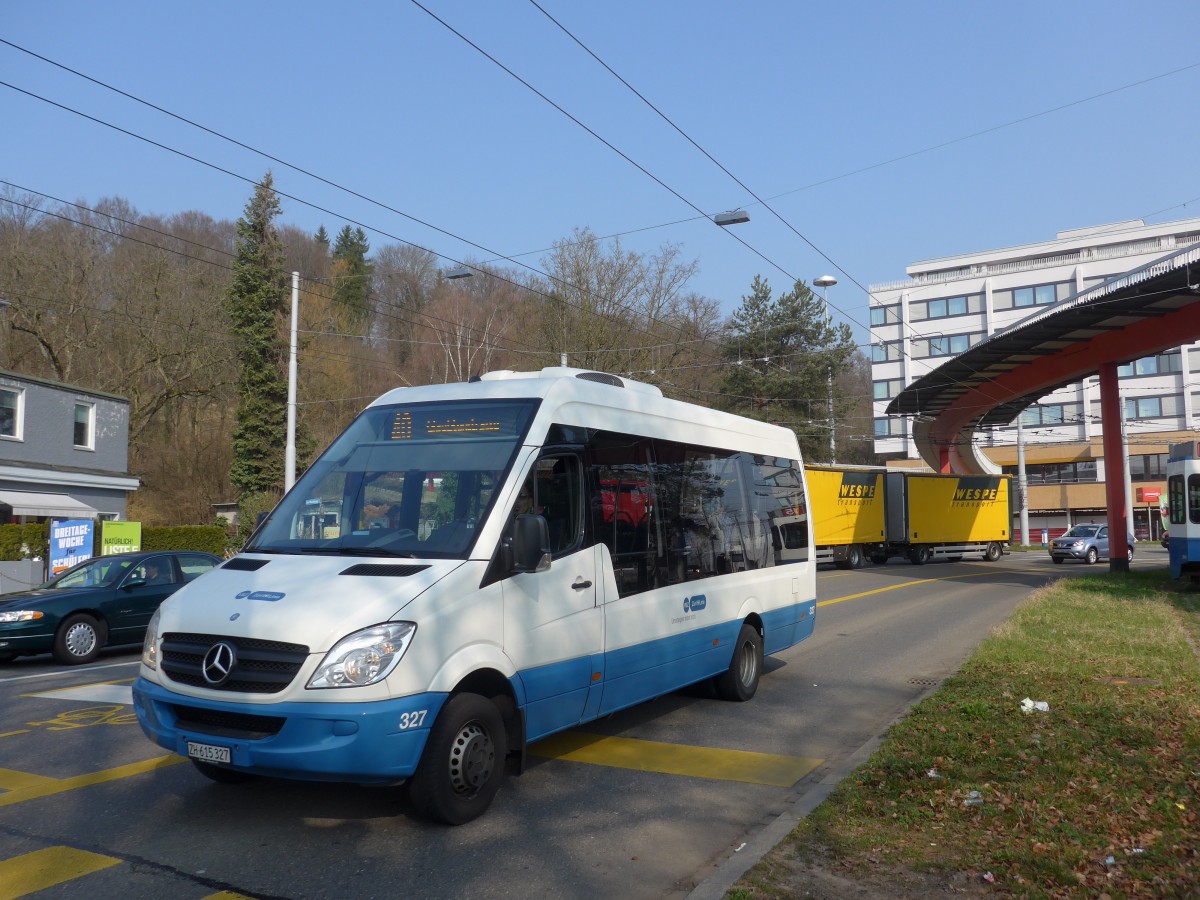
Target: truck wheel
1092	555
740	680
460	770
880	559
854	557
918	556
993	552
78	640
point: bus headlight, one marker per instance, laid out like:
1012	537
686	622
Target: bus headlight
364	657
150	644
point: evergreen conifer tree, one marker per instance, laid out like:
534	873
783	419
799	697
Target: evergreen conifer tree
258	296
783	353
352	272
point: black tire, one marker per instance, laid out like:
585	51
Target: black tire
918	556
222	775
993	552
854	557
740	681
1092	555
78	640
463	763
1057	559
880	559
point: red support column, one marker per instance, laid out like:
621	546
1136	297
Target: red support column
944	460
1114	469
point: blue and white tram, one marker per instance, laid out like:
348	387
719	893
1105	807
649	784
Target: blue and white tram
1183	505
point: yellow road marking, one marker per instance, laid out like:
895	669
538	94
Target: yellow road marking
36	786
41	869
11	733
908	584
226	895
78	686
676	759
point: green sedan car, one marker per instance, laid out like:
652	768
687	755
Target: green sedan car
101	602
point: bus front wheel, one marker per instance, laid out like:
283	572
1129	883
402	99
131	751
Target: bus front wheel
460	770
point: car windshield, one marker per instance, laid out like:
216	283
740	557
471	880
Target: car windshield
1083	531
105	571
409	481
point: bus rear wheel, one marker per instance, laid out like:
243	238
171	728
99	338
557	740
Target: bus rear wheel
740	681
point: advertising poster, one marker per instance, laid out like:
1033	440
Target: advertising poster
120	537
70	543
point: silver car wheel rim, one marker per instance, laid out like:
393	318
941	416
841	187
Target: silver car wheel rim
81	639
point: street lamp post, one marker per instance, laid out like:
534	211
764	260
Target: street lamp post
825	282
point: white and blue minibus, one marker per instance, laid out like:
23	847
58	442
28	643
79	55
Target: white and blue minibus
472	567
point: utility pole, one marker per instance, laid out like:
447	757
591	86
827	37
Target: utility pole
824	282
289	454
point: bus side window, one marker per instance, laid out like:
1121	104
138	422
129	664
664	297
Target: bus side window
1175	500
1193	499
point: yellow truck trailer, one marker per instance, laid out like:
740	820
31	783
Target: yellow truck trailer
848	509
864	513
932	516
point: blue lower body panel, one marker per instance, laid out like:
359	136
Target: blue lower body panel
377	742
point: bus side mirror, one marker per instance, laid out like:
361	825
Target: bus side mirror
530	544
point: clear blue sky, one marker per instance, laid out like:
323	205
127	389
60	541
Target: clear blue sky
788	96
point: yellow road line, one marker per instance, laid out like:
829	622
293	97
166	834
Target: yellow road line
42	869
11	733
226	895
676	759
78	686
37	786
908	584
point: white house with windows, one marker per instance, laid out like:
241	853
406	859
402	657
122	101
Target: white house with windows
947	305
64	451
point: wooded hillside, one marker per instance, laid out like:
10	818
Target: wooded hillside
108	298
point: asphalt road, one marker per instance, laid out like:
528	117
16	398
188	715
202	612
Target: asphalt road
684	791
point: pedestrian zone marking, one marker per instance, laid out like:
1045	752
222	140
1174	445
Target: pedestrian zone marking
46	868
101	692
33	872
675	759
17	787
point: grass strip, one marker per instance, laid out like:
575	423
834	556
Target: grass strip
1099	795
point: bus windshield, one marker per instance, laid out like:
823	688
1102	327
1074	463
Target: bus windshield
407	480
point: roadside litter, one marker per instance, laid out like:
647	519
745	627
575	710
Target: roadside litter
1028	706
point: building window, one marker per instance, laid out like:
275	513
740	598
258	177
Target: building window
1051	414
10	413
1037	295
85	431
889	427
885	315
1148	467
885	352
886	390
943	345
1144	408
1057	473
1162	364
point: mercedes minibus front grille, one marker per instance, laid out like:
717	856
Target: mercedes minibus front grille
226	724
260	667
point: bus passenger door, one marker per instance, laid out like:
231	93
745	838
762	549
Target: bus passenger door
553	623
